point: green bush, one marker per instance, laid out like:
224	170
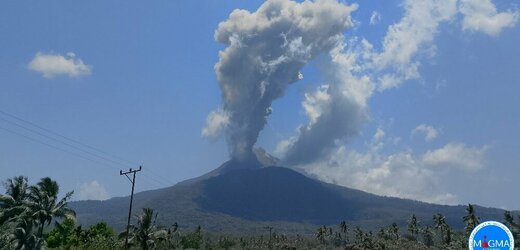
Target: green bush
192	240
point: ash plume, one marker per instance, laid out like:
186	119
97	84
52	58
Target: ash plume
335	110
265	52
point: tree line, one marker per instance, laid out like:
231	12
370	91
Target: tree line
34	217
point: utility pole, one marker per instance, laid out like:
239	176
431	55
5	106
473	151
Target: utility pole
131	198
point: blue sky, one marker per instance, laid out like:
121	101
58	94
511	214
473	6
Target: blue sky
146	83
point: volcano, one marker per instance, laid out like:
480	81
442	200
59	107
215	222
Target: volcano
246	196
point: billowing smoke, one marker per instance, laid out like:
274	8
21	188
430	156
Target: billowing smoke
267	49
336	111
265	52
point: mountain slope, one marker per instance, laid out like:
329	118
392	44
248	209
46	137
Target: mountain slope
235	199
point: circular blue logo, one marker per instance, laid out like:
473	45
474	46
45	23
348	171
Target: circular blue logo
491	235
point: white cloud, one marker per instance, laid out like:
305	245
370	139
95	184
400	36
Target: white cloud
337	111
375	18
429	132
377	140
456	155
413	36
396	175
482	15
379	135
404	40
314	104
92	191
403	174
216	122
389	81
50	65
283	146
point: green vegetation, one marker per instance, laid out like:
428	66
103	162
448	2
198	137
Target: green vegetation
146	234
27	212
514	226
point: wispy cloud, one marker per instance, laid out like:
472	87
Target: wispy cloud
412	36
375	18
482	15
429	132
50	65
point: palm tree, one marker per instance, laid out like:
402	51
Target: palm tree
427	236
146	233
43	203
439	222
393	231
413	226
508	217
173	236
447	236
320	234
329	233
19	230
11	204
23	237
360	235
344	229
470	219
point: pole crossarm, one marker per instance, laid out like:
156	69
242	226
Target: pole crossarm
130	172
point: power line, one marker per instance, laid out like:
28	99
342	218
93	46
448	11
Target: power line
65	137
120	161
62	142
52	146
72	153
151	176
